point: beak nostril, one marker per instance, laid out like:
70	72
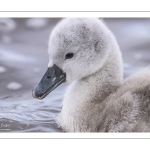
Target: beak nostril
49	77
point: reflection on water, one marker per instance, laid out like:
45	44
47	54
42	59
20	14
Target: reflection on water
2	69
14	86
37	23
9	55
22	114
24	59
7	25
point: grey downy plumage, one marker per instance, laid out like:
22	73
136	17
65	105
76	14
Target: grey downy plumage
97	99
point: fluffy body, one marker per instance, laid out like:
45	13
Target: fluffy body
97	99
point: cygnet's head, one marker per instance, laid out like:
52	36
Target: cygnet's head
79	47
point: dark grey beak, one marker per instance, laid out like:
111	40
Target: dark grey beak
53	77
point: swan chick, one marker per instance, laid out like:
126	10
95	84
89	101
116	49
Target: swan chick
85	53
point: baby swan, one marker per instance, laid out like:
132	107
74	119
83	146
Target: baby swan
85	53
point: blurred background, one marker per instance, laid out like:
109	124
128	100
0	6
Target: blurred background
24	59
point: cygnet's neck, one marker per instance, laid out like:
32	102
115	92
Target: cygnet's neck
103	82
90	90
107	79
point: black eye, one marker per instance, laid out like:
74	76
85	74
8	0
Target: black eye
69	55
